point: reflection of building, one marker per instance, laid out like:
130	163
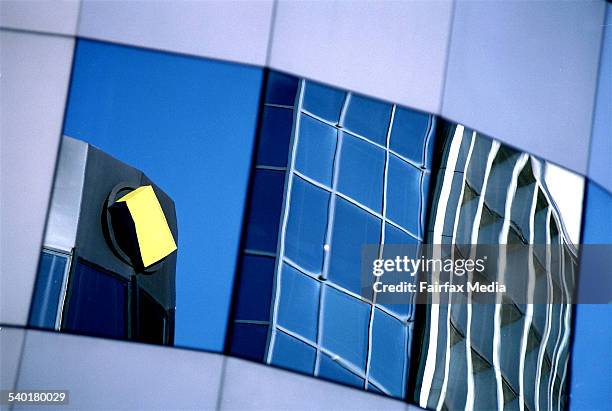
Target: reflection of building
326	182
92	279
510	354
354	171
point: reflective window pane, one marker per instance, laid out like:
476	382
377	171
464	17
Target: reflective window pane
45	300
316	149
255	291
353	227
249	341
345	326
152	320
331	370
97	304
368	118
362	167
409	133
404	195
274	136
394	235
293	354
298	309
281	88
265	210
389	353
306	225
323	101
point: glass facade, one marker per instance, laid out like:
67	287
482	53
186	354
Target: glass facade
509	354
405	177
356	172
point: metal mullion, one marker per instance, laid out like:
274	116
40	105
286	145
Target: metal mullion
329	230
259	253
278	106
63	290
297	336
270	168
382	242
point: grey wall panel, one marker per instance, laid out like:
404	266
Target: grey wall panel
112	375
35	73
250	386
11	344
600	164
395	51
525	73
229	30
57	16
65	204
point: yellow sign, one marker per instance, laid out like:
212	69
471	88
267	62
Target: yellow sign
155	240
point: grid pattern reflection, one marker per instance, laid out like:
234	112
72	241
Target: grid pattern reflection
356	172
506	355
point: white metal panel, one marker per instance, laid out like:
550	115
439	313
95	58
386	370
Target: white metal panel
228	30
395	51
112	375
11	344
33	86
525	73
57	16
251	386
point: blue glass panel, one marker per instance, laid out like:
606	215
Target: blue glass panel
345	326
353	228
274	137
281	88
389	353
97	304
362	167
255	290
369	118
249	341
408	134
306	226
326	102
293	354
45	301
299	303
264	210
331	370
316	149
394	235
404	194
